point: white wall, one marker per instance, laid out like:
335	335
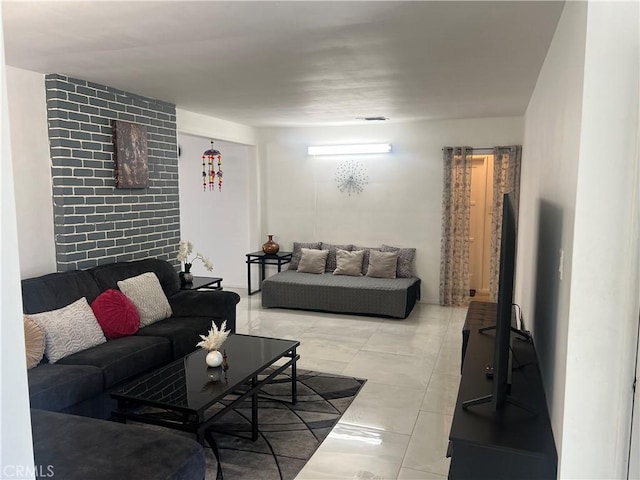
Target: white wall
400	205
238	232
218	223
16	451
580	194
605	289
32	171
547	202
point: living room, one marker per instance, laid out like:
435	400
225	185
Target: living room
568	127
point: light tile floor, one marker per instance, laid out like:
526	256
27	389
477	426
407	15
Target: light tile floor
398	425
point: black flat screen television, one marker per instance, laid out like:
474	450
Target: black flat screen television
501	356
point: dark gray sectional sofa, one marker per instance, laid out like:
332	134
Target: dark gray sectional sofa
81	448
81	383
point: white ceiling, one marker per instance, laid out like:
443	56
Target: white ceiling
272	63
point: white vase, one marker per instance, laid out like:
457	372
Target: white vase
214	358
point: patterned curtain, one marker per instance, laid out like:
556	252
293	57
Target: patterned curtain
456	211
506	178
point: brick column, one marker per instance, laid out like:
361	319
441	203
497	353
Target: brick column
94	222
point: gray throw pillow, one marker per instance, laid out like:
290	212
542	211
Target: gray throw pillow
312	261
297	246
349	263
331	259
382	264
405	260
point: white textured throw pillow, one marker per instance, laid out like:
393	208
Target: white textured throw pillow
146	293
382	264
69	330
349	263
312	261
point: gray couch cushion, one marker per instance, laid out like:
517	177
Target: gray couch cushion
57	290
182	332
55	386
201	303
80	448
108	275
123	358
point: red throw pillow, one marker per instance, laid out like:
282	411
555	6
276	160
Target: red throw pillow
117	316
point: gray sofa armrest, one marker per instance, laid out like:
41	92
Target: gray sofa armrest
79	448
214	304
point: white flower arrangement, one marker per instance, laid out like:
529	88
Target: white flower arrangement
185	249
215	338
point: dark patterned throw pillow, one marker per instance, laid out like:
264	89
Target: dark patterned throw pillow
405	260
333	249
367	254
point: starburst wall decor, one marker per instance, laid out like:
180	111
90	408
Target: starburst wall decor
351	177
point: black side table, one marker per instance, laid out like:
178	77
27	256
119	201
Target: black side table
262	259
209	283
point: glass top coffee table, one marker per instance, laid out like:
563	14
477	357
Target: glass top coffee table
179	394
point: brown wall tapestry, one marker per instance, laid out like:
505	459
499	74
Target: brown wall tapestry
130	145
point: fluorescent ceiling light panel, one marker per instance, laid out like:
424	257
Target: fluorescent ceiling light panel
350	149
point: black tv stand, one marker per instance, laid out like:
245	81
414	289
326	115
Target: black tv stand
508	443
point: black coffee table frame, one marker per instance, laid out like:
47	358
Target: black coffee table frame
191	419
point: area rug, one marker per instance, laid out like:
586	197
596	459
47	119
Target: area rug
288	434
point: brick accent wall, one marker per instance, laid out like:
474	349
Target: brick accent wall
94	222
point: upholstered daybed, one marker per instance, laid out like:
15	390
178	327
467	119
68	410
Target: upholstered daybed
356	293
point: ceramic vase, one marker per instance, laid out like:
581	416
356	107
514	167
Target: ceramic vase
214	358
270	247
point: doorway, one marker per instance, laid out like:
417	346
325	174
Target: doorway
498	172
217	222
480	227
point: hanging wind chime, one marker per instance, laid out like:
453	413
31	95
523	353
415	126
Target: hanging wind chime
210	158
